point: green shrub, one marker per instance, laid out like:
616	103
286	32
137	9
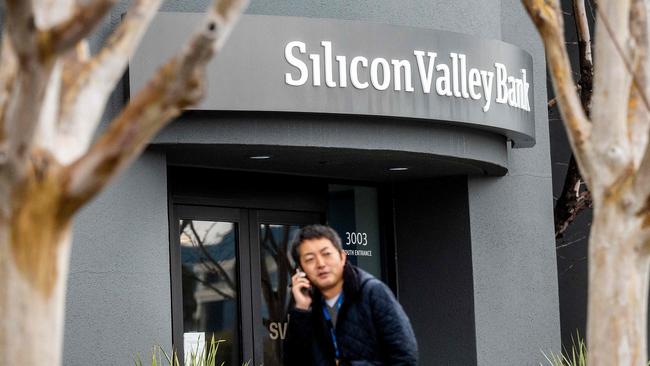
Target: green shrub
576	357
194	358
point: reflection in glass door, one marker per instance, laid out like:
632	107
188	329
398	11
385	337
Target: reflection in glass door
209	286
275	231
276	267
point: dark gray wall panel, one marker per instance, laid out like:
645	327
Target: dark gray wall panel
118	300
434	266
515	272
515	277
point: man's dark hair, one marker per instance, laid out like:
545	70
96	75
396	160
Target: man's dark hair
310	232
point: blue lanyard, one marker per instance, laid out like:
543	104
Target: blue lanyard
328	318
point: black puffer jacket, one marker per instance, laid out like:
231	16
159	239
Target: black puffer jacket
371	329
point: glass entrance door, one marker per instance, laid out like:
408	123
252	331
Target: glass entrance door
272	232
210	285
210	273
231	271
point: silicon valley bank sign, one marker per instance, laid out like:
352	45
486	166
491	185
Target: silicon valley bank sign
308	65
455	79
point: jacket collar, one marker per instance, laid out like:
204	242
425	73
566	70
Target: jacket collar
351	283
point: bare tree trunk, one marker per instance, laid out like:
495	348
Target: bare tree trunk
618	290
612	153
52	94
36	312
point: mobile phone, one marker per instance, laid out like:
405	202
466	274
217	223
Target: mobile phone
305	291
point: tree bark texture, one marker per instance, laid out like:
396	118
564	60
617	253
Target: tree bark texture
618	290
34	253
34	333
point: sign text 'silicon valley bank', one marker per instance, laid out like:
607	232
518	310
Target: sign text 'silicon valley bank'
451	78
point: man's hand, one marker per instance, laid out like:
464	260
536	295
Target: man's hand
299	287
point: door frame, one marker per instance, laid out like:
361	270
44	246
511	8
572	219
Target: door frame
248	267
264	193
256	218
211	213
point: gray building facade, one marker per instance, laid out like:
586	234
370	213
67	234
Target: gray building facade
452	211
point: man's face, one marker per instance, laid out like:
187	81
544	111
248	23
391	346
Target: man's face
322	262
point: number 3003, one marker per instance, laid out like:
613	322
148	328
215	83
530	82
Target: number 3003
356	238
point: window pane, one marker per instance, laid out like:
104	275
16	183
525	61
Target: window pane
276	267
210	293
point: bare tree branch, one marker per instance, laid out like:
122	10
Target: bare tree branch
7	77
31	83
639	113
586	59
33	35
74	63
213	261
629	62
24	111
640	118
85	98
62	37
49	13
564	245
209	285
547	16
572	200
611	91
21	26
175	86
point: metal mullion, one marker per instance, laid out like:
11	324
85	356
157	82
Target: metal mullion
176	287
208	213
256	283
245	292
288	217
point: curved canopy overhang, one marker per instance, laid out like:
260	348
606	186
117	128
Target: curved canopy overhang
345	147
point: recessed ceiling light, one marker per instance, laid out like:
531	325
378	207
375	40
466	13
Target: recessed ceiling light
260	157
398	169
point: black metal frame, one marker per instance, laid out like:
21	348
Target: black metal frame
257	217
238	216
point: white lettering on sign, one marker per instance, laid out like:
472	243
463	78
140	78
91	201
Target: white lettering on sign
359	253
294	61
356	238
453	78
278	330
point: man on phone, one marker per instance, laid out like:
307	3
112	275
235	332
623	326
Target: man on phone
342	314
